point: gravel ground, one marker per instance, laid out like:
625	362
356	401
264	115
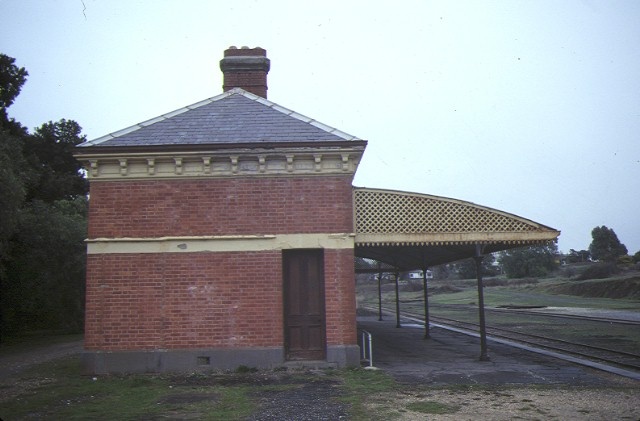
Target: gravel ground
316	401
311	402
15	361
12	362
564	403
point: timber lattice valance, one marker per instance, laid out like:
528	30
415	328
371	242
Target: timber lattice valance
383	211
410	230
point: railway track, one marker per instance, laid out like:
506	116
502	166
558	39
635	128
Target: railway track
565	316
621	361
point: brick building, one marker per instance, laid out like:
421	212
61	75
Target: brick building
224	234
220	235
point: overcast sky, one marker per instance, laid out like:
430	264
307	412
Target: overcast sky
530	107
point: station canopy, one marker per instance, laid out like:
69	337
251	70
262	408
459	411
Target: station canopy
412	231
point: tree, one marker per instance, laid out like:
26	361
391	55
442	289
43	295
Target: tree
47	268
535	261
12	193
12	78
605	245
12	164
578	256
50	153
466	269
442	271
43	218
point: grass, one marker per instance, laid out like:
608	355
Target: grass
532	295
58	390
500	292
432	407
360	386
362	382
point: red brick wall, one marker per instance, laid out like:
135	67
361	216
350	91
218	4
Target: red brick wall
184	300
340	297
204	300
232	206
211	300
254	81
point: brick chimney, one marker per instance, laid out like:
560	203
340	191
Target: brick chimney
245	68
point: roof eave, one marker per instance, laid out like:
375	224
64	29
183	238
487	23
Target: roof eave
202	147
456	238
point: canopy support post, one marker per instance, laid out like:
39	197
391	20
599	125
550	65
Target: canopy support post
379	292
397	275
427	335
483	329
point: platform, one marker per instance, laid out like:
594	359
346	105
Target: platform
450	358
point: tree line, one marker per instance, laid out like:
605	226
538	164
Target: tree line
605	249
43	219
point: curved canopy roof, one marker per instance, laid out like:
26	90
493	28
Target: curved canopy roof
412	230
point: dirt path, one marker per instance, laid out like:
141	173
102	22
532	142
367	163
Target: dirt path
14	361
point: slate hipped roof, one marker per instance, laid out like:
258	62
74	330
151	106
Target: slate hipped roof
234	117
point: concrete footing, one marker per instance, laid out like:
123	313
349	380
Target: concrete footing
167	361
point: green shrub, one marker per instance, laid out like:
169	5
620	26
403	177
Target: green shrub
598	271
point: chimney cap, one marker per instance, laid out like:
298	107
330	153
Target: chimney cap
234	51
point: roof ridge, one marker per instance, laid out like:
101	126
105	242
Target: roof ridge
231	92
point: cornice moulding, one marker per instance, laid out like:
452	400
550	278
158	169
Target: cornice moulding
216	163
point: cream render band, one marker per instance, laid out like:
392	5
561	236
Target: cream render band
222	243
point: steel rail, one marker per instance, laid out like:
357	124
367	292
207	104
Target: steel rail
542	314
567	316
